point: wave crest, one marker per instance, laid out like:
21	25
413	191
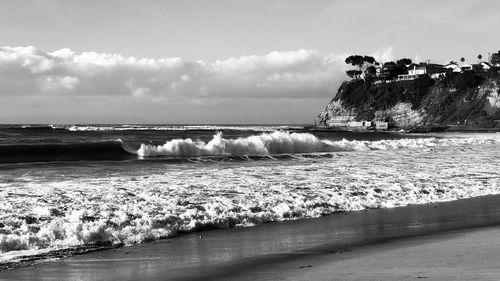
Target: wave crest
264	144
281	142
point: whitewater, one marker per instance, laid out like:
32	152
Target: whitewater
161	182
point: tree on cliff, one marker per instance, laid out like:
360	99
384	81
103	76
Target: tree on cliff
360	61
354	60
370	60
363	63
371	70
495	58
405	61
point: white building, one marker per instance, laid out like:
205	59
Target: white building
359	124
355	124
380	125
339	121
433	70
418	70
367	123
453	67
484	65
466	67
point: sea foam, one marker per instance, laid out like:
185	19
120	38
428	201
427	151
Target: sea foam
282	142
256	128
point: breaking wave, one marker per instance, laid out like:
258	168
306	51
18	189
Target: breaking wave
280	142
105	128
277	145
180	128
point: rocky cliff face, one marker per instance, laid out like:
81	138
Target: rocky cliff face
463	99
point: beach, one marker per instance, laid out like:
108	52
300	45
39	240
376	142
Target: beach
470	254
441	241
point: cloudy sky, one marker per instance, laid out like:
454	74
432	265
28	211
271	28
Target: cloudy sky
217	61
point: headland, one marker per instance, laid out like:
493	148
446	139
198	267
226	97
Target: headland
418	97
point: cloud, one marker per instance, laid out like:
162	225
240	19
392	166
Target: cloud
295	74
384	54
65	86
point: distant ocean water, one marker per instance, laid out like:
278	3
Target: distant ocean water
73	188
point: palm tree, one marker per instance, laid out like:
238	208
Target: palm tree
462	60
480	57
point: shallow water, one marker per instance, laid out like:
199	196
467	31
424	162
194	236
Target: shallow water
267	251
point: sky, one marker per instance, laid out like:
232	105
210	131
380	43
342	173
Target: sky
214	61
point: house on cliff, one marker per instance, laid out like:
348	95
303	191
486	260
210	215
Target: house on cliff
466	67
481	66
453	67
433	70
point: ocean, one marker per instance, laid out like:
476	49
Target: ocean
68	189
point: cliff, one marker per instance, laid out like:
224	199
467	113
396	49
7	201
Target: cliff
469	99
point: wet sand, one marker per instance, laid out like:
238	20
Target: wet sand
471	254
441	241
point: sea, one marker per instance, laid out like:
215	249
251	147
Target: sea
70	189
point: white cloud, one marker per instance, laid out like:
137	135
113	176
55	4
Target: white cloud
54	83
384	54
65	86
295	74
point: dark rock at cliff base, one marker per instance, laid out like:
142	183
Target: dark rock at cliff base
469	99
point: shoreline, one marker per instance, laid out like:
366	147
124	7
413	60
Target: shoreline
262	250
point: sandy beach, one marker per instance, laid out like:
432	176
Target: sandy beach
442	241
455	255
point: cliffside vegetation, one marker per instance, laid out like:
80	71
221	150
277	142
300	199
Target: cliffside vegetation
365	95
468	98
